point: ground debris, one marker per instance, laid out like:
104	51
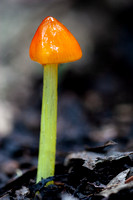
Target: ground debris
68	197
18	182
5	197
103	148
116	184
21	193
86	175
92	159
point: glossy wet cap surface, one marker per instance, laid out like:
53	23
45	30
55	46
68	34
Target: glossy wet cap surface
53	43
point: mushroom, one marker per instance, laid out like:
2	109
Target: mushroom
51	45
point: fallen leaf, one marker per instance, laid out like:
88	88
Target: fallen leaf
116	184
91	159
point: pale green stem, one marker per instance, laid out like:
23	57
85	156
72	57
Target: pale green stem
47	146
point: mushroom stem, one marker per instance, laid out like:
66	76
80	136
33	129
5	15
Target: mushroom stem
47	147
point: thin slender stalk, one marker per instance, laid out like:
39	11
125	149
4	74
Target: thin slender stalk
47	146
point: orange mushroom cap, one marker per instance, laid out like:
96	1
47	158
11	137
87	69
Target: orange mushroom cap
53	43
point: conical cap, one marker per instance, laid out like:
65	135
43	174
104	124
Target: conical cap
53	43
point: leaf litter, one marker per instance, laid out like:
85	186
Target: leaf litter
97	173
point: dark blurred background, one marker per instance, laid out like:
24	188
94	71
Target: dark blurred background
95	101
